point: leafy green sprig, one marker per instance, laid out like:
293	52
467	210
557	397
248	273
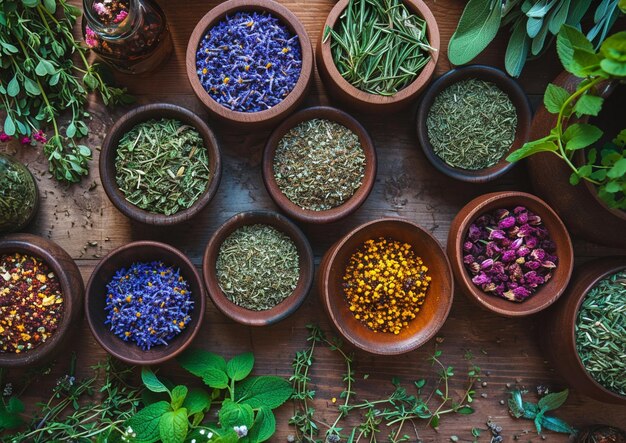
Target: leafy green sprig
39	81
519	408
606	167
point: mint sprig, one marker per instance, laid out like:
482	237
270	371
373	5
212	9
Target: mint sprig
520	408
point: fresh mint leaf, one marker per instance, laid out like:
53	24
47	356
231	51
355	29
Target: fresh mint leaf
179	393
196	401
477	27
151	381
517	49
557	425
146	422
173	426
554	98
264	425
612	67
267	391
531	148
569	39
235	414
588	105
215	378
553	401
240	366
580	135
198	361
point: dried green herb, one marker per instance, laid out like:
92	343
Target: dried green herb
319	164
471	124
258	267
601	332
18	194
379	46
162	166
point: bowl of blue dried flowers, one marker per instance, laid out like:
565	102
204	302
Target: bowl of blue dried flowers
250	62
145	302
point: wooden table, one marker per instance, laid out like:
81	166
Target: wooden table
82	220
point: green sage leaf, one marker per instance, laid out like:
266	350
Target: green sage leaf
588	105
146	422
517	50
267	391
580	135
264	425
240	366
477	27
173	426
554	98
559	17
557	425
151	381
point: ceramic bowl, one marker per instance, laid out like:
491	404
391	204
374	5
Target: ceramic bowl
503	82
349	206
353	97
560	342
95	301
433	312
270	116
72	288
281	310
549	292
109	149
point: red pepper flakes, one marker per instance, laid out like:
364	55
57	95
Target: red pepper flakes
31	302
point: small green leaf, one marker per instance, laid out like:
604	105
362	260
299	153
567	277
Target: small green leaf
30	3
215	378
570	38
613	67
574	179
40	69
585	171
178	395
267	391
173	426
465	410
235	414
13	88
530	410
54	79
434	421
240	366
618	169
50	5
151	381
264	425
554	98
517	50
581	135
84	151
196	401
145	423
612	187
197	361
557	425
477	27
31	86
70	132
9	126
588	105
532	148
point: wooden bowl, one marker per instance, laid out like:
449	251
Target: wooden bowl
281	310
124	257
109	149
270	116
7	161
503	82
350	205
72	288
363	101
547	293
433	312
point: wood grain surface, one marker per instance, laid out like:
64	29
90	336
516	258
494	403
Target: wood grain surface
83	221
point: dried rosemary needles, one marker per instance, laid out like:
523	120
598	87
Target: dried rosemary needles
471	124
162	166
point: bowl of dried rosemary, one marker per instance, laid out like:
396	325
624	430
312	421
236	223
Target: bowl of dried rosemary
319	165
160	164
258	268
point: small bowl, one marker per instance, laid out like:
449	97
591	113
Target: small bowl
124	257
109	149
270	116
547	293
281	310
72	288
559	340
433	312
350	205
503	82
363	101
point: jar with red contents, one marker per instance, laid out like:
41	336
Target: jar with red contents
130	35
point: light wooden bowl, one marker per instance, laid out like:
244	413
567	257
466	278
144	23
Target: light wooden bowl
353	97
433	312
95	301
350	205
281	110
549	292
281	310
72	289
109	149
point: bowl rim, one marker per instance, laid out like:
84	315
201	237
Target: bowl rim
292	302
456	236
191	271
324	57
503	82
45	250
326	296
350	205
288	19
128	121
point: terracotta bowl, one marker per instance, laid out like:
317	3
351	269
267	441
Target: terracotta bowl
109	149
354	202
72	288
503	82
559	340
284	108
433	312
547	293
342	90
281	310
124	257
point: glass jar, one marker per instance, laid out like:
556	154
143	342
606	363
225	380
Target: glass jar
130	35
19	198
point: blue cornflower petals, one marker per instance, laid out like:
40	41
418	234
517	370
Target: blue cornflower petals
149	304
249	62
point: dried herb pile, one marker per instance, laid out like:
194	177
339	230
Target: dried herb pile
18	194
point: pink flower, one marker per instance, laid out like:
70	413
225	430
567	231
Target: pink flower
90	37
121	16
100	9
4	137
24	140
40	136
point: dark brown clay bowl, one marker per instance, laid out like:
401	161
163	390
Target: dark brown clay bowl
109	150
95	300
550	291
72	288
353	97
433	312
281	310
504	83
270	116
348	207
560	341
